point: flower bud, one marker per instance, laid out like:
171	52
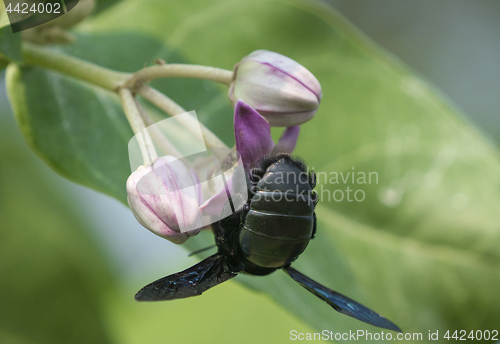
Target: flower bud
280	89
165	199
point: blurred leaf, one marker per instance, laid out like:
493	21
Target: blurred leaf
422	246
10	44
3	63
4	18
104	4
53	275
227	314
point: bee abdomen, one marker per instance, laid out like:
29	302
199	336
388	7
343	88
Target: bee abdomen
272	240
284	203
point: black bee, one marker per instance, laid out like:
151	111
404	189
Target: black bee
270	231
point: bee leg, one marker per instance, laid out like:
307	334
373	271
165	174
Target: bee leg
314	226
226	238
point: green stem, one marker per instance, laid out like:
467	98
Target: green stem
180	71
160	139
80	69
172	108
132	112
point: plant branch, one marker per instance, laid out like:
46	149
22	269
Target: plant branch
69	65
147	74
161	100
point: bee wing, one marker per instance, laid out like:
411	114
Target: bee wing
342	303
190	282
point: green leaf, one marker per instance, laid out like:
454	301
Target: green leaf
79	130
4	18
10	45
421	248
104	4
53	276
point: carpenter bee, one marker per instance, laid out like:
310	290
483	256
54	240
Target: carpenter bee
269	232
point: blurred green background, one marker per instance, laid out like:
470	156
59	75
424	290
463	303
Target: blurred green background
71	259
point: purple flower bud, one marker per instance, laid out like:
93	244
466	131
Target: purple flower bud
280	89
165	198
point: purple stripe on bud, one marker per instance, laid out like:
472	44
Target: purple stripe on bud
280	89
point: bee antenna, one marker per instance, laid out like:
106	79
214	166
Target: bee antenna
202	250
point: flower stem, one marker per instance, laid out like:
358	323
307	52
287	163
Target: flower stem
69	65
134	118
172	108
160	140
161	100
180	71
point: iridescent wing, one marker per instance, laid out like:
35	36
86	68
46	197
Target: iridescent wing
190	282
340	302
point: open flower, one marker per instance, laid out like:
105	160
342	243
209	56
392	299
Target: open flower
280	89
253	135
165	198
253	141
